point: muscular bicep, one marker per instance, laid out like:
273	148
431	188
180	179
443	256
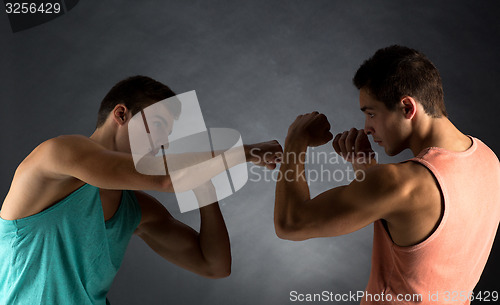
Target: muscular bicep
80	157
168	237
346	209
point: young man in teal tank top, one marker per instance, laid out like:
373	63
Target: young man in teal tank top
435	218
75	201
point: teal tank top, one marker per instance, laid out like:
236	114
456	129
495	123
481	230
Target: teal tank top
66	254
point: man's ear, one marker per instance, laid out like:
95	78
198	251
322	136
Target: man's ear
409	106
120	114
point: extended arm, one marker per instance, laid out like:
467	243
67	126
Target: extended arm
84	159
189	170
262	153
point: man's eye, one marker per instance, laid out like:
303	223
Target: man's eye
370	115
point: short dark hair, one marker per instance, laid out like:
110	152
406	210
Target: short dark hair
397	71
136	93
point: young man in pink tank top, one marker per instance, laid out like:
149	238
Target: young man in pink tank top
435	216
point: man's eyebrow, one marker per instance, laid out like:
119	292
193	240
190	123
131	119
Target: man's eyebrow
366	108
161	118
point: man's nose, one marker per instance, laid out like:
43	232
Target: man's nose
162	140
166	144
368	129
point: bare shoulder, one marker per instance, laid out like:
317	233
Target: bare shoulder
53	154
49	152
65	144
406	176
65	141
402	186
417	212
384	179
417	199
37	184
417	176
425	188
61	144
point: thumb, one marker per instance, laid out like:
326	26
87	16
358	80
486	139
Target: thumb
329	136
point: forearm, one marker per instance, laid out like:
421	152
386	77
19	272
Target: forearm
213	237
214	241
193	176
190	170
235	155
291	189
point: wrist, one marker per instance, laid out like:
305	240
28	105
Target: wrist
295	143
205	189
294	152
247	148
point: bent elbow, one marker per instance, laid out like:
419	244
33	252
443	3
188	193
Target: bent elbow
288	232
280	231
219	273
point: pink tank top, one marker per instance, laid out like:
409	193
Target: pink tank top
444	268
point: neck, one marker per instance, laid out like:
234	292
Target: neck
438	132
105	137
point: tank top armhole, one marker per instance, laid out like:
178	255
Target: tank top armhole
128	211
50	212
137	209
445	211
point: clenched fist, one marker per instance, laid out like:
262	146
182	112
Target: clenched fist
354	147
266	154
311	128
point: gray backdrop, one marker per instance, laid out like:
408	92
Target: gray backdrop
255	65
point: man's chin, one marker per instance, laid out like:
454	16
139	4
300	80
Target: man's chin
392	152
